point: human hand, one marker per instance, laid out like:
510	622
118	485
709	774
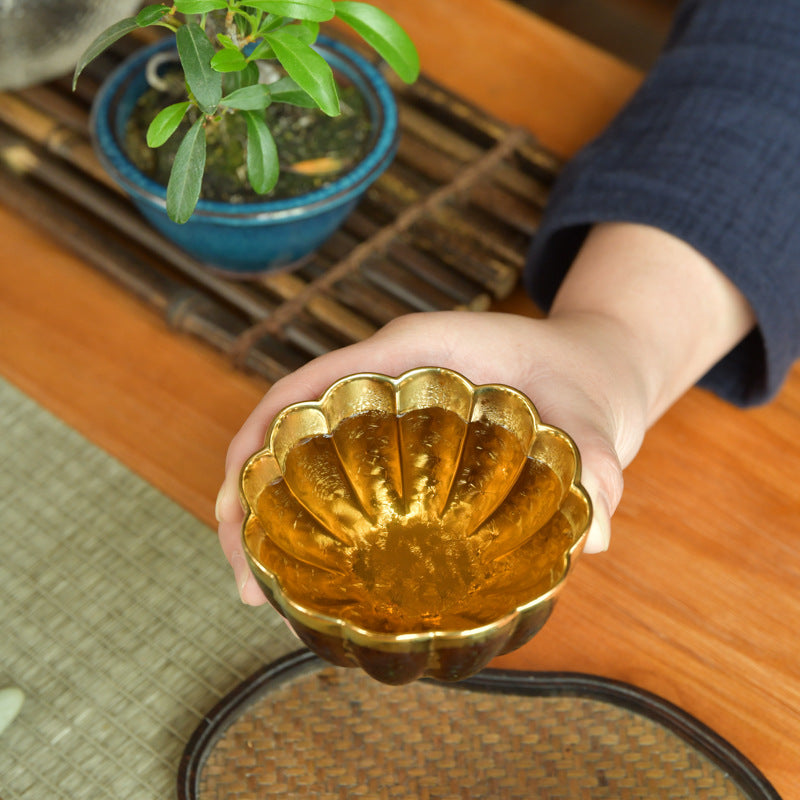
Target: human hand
575	369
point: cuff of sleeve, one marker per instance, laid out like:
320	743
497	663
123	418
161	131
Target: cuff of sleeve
754	370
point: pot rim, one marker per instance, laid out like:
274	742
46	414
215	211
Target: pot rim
337	192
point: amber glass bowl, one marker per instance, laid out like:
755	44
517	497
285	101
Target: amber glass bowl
412	526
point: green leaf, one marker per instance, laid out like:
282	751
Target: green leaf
311	71
262	154
103	41
315	10
226	42
270	22
228	61
199	6
384	35
286	90
166	123
186	177
196	52
306	31
249	98
149	15
249	76
261	51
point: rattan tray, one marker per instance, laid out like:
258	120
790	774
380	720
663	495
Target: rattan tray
301	729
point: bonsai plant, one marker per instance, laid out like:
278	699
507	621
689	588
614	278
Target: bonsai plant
241	68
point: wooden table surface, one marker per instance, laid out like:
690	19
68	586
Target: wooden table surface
698	599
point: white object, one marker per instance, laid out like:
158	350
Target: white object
11	700
43	39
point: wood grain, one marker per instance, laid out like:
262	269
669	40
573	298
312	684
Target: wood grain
697	599
518	66
79	345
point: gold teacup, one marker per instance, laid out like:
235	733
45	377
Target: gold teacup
418	525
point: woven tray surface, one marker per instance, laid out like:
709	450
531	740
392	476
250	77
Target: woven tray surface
446	227
333	734
118	619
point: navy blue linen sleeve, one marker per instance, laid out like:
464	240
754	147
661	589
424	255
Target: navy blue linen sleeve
708	149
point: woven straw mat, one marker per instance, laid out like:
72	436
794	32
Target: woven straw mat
119	619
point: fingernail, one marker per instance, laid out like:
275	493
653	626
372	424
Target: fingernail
223	497
241	572
605	522
605	537
599	537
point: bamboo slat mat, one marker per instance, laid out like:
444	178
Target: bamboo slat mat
118	619
446	227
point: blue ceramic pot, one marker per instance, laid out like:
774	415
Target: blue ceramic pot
247	238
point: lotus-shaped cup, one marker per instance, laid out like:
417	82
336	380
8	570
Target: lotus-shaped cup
414	526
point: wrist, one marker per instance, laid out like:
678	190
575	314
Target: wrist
671	312
607	364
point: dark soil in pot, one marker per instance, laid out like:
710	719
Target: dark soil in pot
313	149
